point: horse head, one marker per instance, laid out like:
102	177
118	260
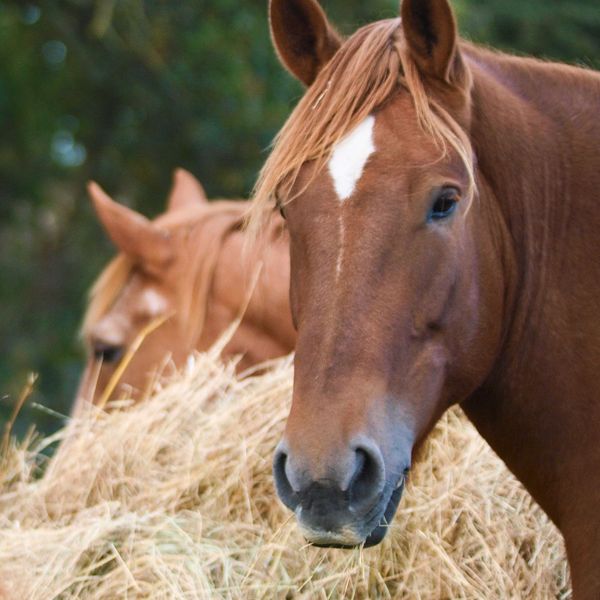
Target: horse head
396	287
176	285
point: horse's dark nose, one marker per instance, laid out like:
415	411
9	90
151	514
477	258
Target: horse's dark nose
329	495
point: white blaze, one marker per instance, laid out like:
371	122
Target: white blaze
153	303
342	240
350	156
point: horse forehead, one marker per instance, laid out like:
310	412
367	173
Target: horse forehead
350	156
139	297
383	135
115	325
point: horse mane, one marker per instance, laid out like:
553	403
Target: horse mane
105	290
364	74
206	240
206	230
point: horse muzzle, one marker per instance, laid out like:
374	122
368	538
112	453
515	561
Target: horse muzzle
351	502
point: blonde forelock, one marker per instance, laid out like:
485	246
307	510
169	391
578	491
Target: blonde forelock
362	76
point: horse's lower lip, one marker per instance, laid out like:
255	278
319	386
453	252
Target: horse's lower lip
379	531
382	526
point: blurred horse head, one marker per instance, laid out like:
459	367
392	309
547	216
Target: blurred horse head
177	283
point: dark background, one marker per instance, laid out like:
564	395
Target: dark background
123	91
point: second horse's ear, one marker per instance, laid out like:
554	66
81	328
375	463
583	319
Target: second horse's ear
302	36
133	234
186	191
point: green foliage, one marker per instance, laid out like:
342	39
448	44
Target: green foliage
125	91
554	29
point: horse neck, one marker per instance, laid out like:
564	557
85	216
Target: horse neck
251	282
535	132
270	305
200	263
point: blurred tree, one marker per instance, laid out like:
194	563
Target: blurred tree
123	92
553	29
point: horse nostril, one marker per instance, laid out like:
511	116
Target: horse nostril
282	483
352	480
368	479
107	353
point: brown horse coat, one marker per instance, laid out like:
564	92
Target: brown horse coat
445	248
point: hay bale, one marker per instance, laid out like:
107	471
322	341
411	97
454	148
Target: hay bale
174	499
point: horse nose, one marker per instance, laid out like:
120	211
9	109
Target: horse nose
334	492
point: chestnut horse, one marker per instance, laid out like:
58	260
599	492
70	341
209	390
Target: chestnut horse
445	248
188	268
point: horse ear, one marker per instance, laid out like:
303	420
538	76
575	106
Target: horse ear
132	233
185	191
430	29
302	36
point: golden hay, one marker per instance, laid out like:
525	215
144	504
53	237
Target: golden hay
174	499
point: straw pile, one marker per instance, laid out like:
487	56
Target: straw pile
174	499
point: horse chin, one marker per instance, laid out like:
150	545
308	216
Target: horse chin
380	530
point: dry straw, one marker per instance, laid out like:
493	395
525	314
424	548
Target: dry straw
174	499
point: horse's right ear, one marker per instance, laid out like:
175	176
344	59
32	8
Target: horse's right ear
186	191
302	36
132	233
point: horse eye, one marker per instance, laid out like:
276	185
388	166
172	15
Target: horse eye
444	204
107	353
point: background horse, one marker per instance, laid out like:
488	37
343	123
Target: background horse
176	285
444	240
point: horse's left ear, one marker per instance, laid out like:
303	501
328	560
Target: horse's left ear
431	33
133	234
186	191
